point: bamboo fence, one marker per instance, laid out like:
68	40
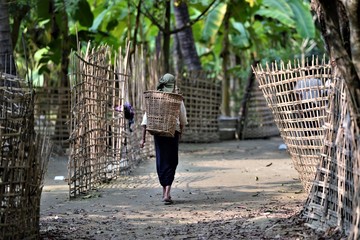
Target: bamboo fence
355	150
7	65
333	200
296	94
52	116
258	120
103	144
23	161
202	99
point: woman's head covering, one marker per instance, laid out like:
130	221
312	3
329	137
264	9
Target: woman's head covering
166	83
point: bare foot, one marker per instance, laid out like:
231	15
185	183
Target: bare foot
168	201
167	192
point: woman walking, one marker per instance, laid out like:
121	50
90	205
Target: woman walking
167	148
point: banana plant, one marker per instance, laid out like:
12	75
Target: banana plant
253	23
253	26
294	14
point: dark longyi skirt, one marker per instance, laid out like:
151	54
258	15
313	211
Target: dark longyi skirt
167	158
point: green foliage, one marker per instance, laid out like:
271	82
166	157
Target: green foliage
239	37
278	5
110	23
264	29
44	28
80	11
304	22
292	13
42	9
213	23
282	17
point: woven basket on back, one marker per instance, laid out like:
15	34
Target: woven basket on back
162	110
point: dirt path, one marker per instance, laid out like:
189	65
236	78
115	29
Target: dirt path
228	190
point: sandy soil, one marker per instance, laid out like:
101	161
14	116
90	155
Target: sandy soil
228	190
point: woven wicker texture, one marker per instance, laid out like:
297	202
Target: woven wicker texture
202	98
297	97
259	120
355	150
51	112
23	159
162	111
103	143
331	200
97	129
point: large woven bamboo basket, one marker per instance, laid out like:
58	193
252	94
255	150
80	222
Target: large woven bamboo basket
298	97
162	111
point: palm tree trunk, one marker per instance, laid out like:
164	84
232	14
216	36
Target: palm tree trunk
7	63
166	37
186	38
177	57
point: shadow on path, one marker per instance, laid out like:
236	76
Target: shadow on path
226	190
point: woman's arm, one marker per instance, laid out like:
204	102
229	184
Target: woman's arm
183	115
142	144
143	123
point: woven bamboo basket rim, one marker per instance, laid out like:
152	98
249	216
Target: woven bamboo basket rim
169	93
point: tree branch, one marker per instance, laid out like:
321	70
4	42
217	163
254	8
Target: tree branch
189	24
136	29
152	19
192	22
